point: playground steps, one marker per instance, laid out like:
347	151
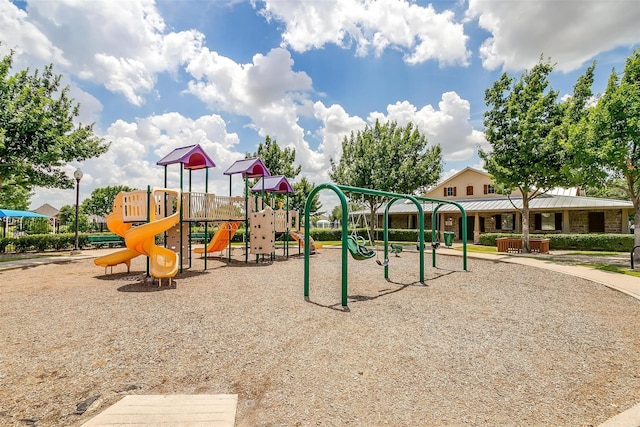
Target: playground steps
215	410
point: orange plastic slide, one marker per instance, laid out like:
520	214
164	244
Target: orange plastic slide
298	236
221	239
116	225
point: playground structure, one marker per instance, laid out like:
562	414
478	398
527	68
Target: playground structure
358	250
144	217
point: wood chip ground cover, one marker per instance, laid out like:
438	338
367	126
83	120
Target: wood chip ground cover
501	344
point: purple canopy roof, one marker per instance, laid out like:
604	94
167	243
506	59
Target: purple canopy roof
273	184
253	168
192	157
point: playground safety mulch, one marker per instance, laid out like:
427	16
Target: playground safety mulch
501	344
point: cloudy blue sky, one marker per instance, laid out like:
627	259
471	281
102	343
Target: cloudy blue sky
157	75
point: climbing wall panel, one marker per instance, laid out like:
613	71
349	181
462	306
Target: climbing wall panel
262	232
173	241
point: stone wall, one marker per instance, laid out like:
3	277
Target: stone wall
579	221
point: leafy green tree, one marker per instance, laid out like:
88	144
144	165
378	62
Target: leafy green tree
13	196
37	225
336	213
38	136
606	142
387	157
279	161
613	191
301	191
100	202
67	217
523	124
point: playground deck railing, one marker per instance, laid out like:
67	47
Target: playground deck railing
209	207
134	206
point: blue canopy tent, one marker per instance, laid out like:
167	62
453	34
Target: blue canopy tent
10	213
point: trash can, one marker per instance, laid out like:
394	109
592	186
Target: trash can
448	238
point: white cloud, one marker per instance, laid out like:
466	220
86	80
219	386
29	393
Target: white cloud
337	124
268	91
137	146
420	32
119	44
569	32
448	126
26	39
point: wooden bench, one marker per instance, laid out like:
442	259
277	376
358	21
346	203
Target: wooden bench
110	240
539	245
514	245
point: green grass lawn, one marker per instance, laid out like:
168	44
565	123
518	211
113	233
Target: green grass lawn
479	249
613	269
18	257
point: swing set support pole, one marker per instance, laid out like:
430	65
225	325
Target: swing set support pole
463	218
395	197
344	238
340	190
420	234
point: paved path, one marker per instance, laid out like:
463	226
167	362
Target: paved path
624	283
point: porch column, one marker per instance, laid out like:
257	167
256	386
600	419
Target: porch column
625	221
476	228
566	222
518	224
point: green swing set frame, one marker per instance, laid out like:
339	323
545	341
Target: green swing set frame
350	244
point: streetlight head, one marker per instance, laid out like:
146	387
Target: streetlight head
77	174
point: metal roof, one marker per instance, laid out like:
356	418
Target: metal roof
273	184
192	157
253	168
541	203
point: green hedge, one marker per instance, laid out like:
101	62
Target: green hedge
41	242
395	235
586	242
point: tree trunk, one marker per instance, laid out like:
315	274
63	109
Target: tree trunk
636	232
372	225
525	223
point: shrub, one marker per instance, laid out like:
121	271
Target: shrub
586	242
4	242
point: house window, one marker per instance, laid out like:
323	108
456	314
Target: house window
548	221
449	191
596	222
469	190
489	189
504	221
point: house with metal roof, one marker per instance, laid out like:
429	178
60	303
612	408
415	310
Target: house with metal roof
558	211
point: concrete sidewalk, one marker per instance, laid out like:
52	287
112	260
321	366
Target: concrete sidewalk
630	285
52	258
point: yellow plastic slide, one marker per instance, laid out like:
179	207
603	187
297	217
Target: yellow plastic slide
221	239
116	225
298	236
163	262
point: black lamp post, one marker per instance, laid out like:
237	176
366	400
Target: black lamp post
78	176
